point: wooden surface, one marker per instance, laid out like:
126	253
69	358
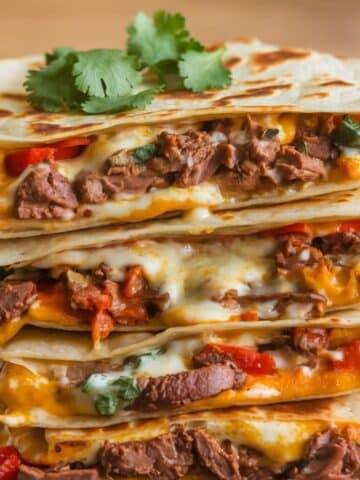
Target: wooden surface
33	26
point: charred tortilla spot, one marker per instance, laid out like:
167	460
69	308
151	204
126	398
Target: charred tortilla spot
260	81
262	61
5	113
316	95
336	83
13	96
184	94
51	128
232	62
264	91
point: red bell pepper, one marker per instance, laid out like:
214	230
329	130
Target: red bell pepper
349	226
9	463
17	162
246	358
351	358
304	228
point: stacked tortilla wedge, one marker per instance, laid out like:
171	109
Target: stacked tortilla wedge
181	286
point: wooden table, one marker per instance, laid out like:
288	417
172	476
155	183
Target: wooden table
33	26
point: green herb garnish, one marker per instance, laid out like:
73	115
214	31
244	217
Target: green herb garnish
348	133
160	54
142	154
109	394
271	132
135	360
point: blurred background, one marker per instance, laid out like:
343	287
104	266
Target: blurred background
34	26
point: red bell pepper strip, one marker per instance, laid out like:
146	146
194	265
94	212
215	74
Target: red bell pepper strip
9	463
351	358
17	162
349	226
247	359
304	228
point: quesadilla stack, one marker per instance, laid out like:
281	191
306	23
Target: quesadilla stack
180	285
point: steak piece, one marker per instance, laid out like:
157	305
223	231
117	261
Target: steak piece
45	193
294	165
231	299
310	340
338	243
182	388
224	465
295	252
27	472
329	456
166	457
15	299
314	146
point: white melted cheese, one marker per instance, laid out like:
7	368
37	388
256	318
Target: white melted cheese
194	274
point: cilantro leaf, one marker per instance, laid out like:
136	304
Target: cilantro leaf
161	39
105	73
95	105
141	155
58	53
52	88
348	133
109	394
203	70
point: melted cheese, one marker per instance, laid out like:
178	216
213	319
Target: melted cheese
192	274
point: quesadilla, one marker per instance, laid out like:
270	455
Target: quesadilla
178	371
290	441
164	275
287	128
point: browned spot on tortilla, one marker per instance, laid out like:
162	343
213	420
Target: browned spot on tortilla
322	406
47	128
184	94
214	46
13	96
262	61
336	83
232	61
5	113
316	95
259	81
260	91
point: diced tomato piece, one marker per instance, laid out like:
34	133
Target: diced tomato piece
351	358
293	228
247	359
17	162
9	463
249	316
349	226
102	325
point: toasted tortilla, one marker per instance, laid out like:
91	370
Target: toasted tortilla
42	383
268	81
279	432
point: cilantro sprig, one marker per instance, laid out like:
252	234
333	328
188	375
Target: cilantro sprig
160	55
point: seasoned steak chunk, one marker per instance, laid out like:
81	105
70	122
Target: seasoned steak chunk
166	457
310	340
295	252
45	193
15	299
185	387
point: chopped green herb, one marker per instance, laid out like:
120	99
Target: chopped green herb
106	405
204	70
348	133
142	154
105	73
271	132
135	360
110	393
301	146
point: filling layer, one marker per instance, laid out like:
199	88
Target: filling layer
298	271
196	372
240	158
